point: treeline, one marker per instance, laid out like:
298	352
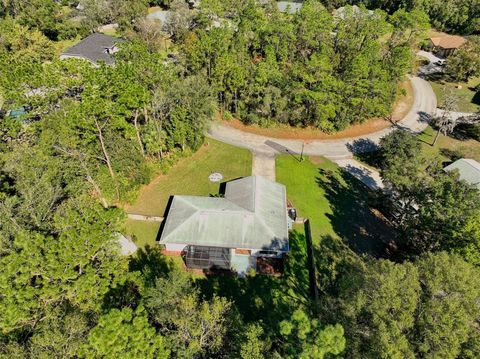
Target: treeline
264	67
423	300
115	125
60	20
82	140
458	16
307	68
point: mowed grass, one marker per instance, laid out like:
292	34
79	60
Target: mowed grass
468	100
143	233
336	204
448	148
304	193
188	177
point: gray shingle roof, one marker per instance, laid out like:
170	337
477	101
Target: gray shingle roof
468	169
252	215
94	48
290	6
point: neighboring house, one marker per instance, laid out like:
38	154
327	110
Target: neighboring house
250	223
289	6
355	11
468	169
446	45
94	48
162	15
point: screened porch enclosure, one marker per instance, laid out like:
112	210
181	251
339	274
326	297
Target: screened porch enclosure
201	257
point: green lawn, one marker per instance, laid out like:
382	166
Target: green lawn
143	233
335	202
467	102
188	177
448	148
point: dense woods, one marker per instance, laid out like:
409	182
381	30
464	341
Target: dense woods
459	16
88	137
309	68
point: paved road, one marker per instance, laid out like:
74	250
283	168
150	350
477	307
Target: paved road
369	176
265	149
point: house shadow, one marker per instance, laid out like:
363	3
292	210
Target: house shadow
363	228
265	298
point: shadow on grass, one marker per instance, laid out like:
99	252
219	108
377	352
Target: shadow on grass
266	298
363	228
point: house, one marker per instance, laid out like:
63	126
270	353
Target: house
289	6
94	48
446	45
468	169
162	15
345	12
248	224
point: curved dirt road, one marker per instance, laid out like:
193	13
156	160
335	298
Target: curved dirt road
265	148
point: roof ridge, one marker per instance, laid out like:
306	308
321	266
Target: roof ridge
468	161
196	210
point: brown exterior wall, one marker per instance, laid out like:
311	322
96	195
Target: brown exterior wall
171	253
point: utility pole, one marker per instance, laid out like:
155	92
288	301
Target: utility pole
301	154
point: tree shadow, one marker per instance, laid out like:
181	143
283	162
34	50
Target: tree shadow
373	158
151	263
476	97
362	145
362	227
263	298
465	132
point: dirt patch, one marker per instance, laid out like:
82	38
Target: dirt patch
317	160
401	108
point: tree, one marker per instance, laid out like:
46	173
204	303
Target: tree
75	263
465	63
402	169
253	347
125	334
411	309
190	325
435	210
447	312
447	208
307	339
446	122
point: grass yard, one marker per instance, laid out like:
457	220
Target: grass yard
335	202
449	148
143	233
188	177
468	101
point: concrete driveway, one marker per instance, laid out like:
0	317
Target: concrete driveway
433	67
